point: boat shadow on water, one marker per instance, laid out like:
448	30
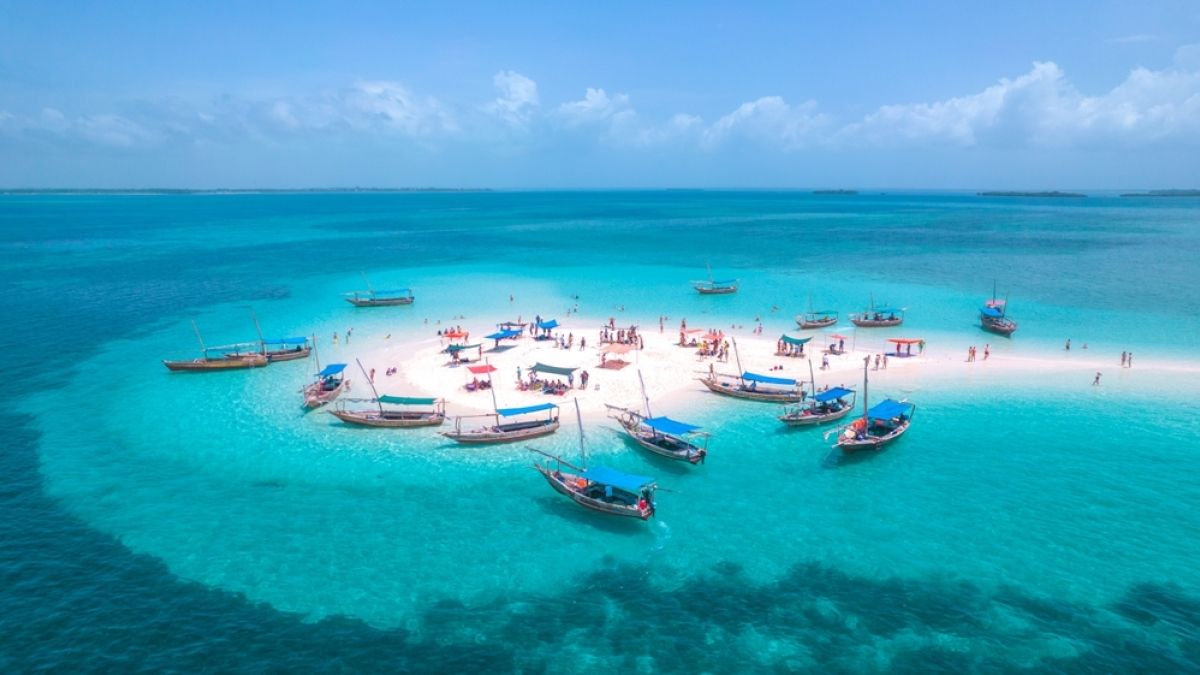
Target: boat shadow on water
665	464
835	458
573	515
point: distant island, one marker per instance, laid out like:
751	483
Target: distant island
1164	193
835	192
1051	193
218	191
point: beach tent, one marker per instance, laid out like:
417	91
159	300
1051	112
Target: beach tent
482	369
904	345
553	370
614	348
506	334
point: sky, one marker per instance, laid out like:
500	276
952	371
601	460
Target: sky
954	95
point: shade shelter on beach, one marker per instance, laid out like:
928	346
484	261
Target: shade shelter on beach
544	328
504	334
482	369
791	345
837	343
614	348
553	370
903	346
461	353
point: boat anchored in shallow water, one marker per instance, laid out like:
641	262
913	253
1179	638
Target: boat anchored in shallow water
878	426
391	412
328	384
503	431
662	436
816	318
993	316
600	488
374	298
878	317
753	386
714	287
823	406
226	357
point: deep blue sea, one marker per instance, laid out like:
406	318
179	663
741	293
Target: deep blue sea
1029	521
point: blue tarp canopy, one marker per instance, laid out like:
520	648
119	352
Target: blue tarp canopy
286	341
509	412
791	340
822	312
548	325
331	369
666	425
724	282
992	312
502	335
766	379
553	370
886	310
398	291
618	479
886	410
832	394
406	400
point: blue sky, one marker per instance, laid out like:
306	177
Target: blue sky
951	95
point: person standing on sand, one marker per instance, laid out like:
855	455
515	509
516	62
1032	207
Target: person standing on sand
1129	361
885	361
1068	348
987	351
372	375
1096	382
1122	359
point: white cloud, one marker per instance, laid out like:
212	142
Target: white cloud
1042	107
391	106
770	120
518	98
595	107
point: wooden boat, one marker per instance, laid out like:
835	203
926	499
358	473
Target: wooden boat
713	287
391	418
821	407
878	317
599	488
878	426
662	436
282	349
746	386
993	316
374	298
814	319
330	382
503	431
227	357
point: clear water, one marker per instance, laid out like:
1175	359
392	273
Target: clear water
156	521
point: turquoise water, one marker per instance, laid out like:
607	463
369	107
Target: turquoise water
161	521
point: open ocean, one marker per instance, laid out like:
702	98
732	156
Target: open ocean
153	522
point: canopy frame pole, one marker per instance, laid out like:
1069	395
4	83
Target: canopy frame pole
738	357
492	386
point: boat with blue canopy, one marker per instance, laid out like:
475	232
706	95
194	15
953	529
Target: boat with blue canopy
753	386
878	317
508	425
993	316
286	349
822	406
226	357
816	318
392	412
879	425
662	436
329	383
600	488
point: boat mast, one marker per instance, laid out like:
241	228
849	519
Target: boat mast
316	356
261	342
739	361
372	383
812	377
711	279
866	362
491	388
582	446
203	349
644	396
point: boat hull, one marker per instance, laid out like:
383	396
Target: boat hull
717	291
209	365
718	387
1006	327
850	444
793	420
315	396
876	323
683	452
813	325
564	484
289	355
389	420
491	436
388	302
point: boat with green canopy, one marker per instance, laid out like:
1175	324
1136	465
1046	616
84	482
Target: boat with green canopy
715	287
816	318
662	436
599	488
379	298
392	412
226	357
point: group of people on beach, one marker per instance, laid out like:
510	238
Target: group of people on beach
610	334
972	353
